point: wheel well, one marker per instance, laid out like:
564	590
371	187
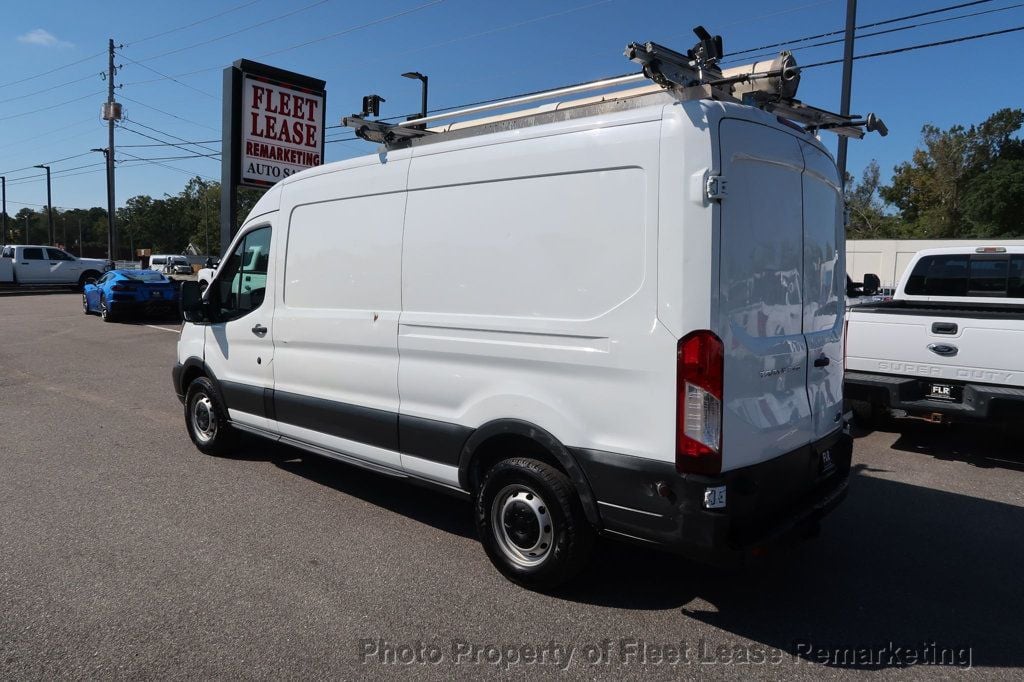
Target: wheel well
189	375
504	446
87	274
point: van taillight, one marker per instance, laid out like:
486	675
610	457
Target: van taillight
699	377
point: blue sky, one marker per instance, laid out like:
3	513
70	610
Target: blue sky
471	50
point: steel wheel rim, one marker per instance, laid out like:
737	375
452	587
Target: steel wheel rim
522	525
103	309
85	303
204	420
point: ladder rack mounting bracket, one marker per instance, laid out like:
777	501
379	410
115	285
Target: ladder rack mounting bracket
383	133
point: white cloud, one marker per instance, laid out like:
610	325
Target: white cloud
42	37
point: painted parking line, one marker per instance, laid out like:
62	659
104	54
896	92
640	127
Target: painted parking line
163	329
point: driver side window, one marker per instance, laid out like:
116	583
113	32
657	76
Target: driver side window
242	281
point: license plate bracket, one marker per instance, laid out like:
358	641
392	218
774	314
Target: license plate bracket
943	392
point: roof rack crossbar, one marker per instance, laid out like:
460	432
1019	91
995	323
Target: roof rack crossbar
602	84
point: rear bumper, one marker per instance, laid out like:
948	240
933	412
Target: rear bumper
977	402
150	307
766	504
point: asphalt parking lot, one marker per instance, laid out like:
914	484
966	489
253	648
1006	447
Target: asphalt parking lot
125	552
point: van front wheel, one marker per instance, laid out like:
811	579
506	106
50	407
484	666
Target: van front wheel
531	523
206	419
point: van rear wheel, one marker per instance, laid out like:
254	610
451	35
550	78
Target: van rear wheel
531	523
206	419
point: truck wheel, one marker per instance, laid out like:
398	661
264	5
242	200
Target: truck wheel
90	274
206	419
868	415
531	523
106	313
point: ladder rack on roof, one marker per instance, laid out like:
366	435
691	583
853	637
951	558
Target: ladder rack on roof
770	86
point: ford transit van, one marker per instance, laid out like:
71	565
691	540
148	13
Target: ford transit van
624	318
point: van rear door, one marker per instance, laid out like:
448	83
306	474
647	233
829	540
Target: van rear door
824	272
761	309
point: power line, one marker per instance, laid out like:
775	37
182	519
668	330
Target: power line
166	144
374	22
167	113
174	137
829	34
194	23
52	87
122	126
57	173
172	78
173	168
911	48
52	106
886	31
53	70
234	33
45	163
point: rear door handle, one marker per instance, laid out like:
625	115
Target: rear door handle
944	328
259	330
822	362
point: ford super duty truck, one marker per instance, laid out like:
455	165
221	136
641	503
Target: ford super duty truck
947	347
46	266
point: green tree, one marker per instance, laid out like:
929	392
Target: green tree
931	190
867	218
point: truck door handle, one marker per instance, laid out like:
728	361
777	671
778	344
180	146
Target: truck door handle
944	328
821	362
259	330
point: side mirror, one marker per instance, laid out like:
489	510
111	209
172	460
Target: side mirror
193	308
871	284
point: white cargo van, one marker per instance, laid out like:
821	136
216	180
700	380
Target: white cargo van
619	316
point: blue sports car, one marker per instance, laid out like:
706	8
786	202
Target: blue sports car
119	293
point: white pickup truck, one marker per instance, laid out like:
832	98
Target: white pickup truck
29	265
947	346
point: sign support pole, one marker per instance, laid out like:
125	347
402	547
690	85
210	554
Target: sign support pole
229	168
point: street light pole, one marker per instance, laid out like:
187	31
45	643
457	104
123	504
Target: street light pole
49	202
3	211
110	203
80	244
416	75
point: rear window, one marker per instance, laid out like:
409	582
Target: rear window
144	276
32	254
967	275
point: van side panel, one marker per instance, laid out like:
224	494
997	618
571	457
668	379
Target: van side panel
530	291
336	318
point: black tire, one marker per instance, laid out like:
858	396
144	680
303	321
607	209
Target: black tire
868	416
86	275
215	437
106	314
522	494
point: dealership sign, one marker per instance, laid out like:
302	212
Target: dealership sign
282	130
273	126
276	123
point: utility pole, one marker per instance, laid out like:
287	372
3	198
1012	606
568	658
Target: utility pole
49	202
112	114
3	211
844	105
80	244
